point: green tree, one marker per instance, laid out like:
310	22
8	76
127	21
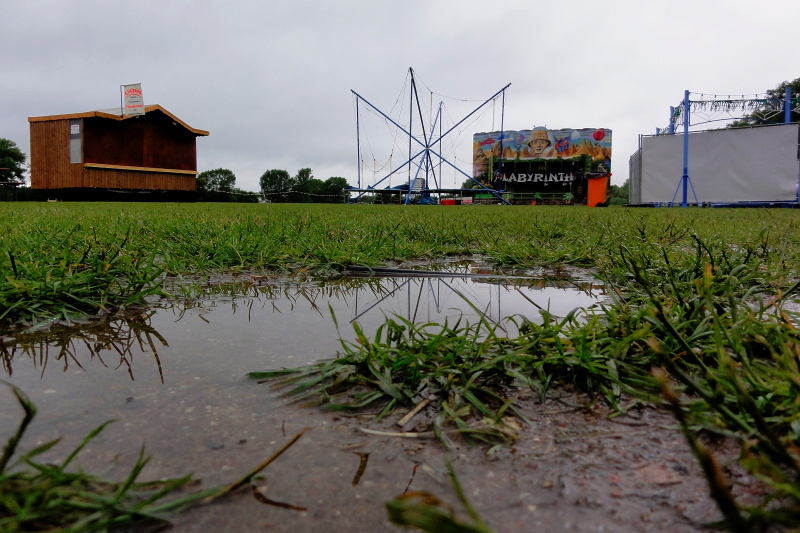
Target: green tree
243	197
219	179
276	185
332	190
766	113
470	183
302	187
618	195
12	162
315	187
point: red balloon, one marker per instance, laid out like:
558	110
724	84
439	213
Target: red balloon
598	135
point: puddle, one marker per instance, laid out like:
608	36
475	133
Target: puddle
277	325
168	349
173	378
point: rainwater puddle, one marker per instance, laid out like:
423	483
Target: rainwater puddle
268	326
173	378
169	348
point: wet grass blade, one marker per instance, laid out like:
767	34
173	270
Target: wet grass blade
30	412
246	479
38	496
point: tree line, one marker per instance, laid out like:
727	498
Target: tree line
761	114
278	186
218	185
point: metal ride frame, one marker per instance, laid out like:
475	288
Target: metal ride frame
681	116
423	158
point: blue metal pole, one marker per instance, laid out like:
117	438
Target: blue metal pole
387	117
787	106
685	177
457	124
438	118
358	145
410	128
502	136
428	160
437	121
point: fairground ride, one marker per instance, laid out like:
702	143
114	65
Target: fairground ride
431	147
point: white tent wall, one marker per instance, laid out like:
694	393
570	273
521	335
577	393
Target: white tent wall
725	166
635	176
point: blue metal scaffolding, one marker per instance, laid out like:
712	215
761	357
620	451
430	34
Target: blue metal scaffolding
425	152
681	116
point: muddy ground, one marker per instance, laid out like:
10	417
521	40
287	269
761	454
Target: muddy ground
572	469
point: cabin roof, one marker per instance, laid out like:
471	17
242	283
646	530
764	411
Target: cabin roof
116	114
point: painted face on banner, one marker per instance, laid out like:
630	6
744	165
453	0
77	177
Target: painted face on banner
539	145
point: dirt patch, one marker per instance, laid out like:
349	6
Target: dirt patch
571	469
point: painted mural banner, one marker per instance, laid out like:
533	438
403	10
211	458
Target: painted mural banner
551	165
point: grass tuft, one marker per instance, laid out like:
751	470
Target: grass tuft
39	496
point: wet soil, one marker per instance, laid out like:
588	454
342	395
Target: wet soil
572	469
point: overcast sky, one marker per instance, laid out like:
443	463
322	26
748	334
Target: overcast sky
271	81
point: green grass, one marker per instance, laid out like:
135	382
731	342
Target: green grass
461	371
425	512
41	496
61	260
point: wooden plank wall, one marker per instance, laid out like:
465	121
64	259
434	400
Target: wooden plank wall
167	144
153	140
113	143
134	179
51	167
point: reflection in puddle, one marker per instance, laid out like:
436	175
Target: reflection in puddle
293	322
110	341
439	299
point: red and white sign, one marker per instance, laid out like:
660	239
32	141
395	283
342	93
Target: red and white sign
133	103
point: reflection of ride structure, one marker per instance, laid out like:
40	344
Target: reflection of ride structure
436	297
119	337
374	294
418	298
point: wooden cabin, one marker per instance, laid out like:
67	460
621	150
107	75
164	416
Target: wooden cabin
104	151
